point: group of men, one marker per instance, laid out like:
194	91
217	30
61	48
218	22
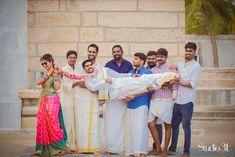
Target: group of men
127	121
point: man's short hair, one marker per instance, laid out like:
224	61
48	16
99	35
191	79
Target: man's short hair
84	62
151	53
71	52
191	45
118	46
95	46
141	55
162	51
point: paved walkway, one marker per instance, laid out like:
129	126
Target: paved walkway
204	133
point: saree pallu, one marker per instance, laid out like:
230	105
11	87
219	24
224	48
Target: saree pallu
51	137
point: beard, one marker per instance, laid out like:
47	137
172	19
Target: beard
151	64
117	57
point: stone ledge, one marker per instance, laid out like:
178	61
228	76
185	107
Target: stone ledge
212	70
35	93
29	93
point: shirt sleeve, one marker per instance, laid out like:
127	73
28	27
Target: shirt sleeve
195	76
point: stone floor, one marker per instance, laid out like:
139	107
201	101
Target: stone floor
204	133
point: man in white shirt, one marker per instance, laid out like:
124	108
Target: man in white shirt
67	94
189	72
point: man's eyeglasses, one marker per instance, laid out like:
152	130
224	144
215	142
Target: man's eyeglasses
44	63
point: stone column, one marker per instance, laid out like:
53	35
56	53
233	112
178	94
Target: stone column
13	60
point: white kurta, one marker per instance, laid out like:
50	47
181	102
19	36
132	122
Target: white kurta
88	117
67	100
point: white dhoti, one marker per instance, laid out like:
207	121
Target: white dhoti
70	125
115	126
137	130
88	118
162	109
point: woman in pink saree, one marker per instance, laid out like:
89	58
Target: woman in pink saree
51	137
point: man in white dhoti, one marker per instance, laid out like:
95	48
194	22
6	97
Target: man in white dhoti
67	95
115	110
161	106
88	108
137	114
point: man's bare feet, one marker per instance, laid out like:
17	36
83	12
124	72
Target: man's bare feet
164	154
184	155
96	153
154	152
171	153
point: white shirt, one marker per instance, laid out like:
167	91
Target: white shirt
66	90
189	72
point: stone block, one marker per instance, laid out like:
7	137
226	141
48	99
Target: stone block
90	34
226	75
225	83
105	49
28	122
58	19
103	60
144	35
89	18
175	60
30	19
29	111
207	76
60	61
138	19
202	83
102	5
181	49
32	50
45	5
29	93
53	35
62	5
140	47
34	64
31	79
56	49
161	5
181	19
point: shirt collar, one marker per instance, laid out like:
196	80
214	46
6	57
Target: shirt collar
140	70
69	67
189	62
162	66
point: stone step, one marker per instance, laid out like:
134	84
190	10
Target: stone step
214	114
213	118
215	96
201	112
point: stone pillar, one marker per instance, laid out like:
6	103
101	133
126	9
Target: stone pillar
13	60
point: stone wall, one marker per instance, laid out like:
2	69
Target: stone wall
55	26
